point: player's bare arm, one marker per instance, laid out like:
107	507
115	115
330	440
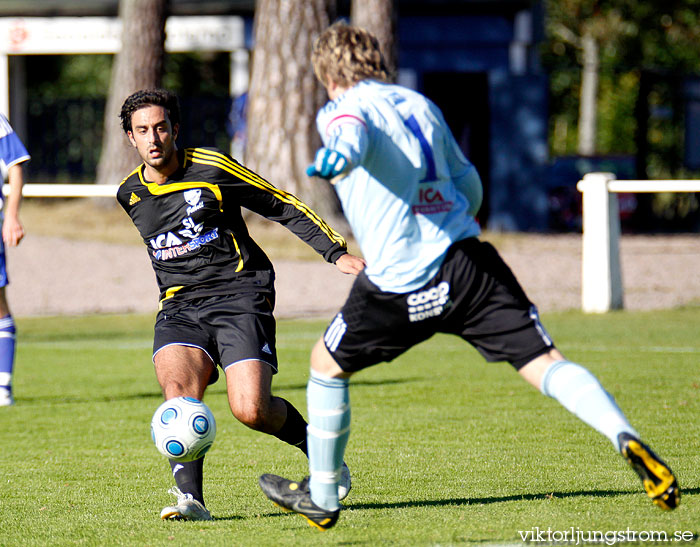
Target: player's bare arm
12	229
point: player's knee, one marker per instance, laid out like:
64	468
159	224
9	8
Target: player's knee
4	308
251	415
534	371
323	363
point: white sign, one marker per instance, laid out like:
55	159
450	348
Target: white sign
75	35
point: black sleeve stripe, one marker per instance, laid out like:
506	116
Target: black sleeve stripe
215	159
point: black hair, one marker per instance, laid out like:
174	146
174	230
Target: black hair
148	97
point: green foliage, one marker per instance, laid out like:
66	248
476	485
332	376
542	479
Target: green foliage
445	449
616	120
66	101
50	77
633	36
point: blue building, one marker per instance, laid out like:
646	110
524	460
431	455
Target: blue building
479	62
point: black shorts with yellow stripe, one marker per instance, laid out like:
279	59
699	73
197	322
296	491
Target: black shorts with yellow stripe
474	295
229	329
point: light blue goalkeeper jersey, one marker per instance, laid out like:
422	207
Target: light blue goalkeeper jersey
411	193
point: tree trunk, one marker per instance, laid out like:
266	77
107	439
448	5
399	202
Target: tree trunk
588	109
379	18
284	97
139	65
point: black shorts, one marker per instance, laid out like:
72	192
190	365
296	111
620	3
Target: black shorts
230	329
474	295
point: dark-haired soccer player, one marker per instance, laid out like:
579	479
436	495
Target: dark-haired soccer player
216	284
410	197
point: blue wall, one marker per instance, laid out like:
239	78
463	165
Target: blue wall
517	153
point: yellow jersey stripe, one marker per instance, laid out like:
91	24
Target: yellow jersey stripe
240	258
161	189
134	171
209	157
224	159
169	294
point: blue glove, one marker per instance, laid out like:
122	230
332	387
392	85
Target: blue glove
328	164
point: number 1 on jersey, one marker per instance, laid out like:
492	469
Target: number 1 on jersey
430	172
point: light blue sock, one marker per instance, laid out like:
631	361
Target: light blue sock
7	352
327	435
583	395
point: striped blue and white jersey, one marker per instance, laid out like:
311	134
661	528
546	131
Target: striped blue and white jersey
411	192
12	151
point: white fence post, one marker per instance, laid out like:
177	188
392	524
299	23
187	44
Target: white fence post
56	190
601	276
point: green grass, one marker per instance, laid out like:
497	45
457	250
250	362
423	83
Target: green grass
445	449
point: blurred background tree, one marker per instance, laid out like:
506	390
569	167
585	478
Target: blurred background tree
635	40
617	73
138	65
379	17
284	97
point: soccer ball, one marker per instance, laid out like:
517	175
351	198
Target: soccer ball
183	429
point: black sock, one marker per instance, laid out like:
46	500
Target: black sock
294	429
188	476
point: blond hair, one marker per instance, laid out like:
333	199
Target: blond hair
347	55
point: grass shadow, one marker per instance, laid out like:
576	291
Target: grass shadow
502	499
69	400
229	518
354	383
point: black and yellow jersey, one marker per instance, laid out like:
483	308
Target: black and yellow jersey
196	237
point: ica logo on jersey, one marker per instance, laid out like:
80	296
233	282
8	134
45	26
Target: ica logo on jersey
430	201
191	230
166	253
162	241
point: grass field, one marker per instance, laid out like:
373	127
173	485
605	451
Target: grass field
445	449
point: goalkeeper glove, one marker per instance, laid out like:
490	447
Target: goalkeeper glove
328	164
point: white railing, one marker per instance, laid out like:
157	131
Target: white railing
41	190
601	277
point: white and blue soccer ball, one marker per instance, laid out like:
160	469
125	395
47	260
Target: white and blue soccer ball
183	429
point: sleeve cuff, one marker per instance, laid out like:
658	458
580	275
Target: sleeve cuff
334	255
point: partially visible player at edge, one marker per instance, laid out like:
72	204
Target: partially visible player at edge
12	155
410	197
216	284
